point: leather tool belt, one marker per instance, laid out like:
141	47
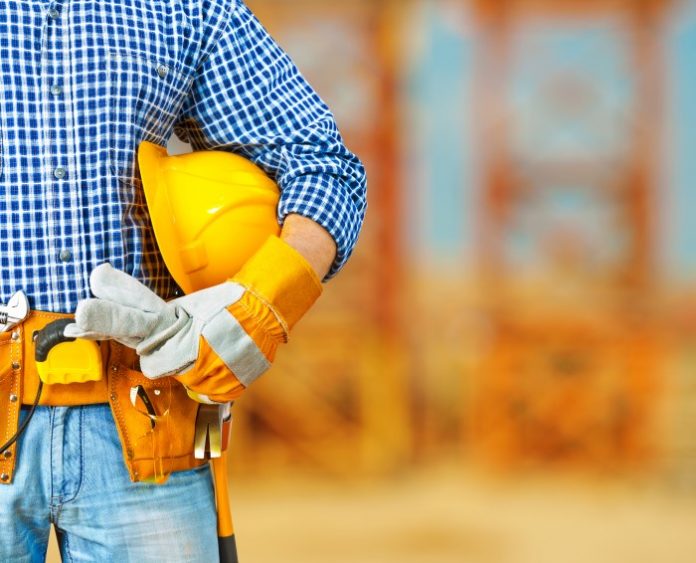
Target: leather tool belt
155	419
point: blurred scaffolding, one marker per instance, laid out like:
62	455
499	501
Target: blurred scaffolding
568	95
514	298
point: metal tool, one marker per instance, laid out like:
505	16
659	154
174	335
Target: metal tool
209	436
138	392
213	425
16	310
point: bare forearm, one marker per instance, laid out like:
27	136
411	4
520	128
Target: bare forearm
311	240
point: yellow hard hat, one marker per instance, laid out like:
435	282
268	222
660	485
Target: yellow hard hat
210	211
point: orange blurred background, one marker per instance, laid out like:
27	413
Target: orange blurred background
505	370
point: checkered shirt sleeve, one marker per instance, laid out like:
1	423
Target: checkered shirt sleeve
248	97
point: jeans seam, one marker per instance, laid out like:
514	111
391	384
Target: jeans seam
51	421
55	512
67	499
66	547
82	451
72	497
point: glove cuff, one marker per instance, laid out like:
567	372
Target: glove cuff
280	276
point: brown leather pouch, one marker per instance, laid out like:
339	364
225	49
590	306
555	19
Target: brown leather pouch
156	419
154	445
10	403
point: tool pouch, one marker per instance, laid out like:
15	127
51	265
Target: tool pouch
10	404
153	445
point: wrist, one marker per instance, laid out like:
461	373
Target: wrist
312	240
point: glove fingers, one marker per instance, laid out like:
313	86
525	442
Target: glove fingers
97	316
74	331
113	285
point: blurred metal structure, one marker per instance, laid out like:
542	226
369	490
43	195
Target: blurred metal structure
568	97
336	400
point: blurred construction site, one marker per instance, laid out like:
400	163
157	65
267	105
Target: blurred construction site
506	369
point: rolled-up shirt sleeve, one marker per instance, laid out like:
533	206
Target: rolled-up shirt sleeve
248	97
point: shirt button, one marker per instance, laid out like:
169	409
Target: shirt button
59	172
56	89
53	13
65	255
162	71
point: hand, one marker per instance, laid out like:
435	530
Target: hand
215	341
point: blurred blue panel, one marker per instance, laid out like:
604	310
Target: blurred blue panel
440	101
681	101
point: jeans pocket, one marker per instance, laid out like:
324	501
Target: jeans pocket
145	97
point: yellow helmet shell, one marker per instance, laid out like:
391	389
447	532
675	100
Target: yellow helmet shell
210	211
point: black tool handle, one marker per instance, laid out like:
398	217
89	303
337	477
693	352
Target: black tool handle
228	549
49	336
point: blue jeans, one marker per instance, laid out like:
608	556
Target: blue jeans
70	472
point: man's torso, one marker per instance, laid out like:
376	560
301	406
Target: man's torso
83	82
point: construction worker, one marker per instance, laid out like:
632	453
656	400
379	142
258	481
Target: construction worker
110	461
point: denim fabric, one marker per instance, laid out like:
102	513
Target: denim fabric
70	472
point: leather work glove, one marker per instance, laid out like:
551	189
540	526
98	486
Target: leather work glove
215	341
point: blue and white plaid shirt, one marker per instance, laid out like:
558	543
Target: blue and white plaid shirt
85	81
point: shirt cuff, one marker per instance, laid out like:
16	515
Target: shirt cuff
333	204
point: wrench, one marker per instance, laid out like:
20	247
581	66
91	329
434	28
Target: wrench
16	310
